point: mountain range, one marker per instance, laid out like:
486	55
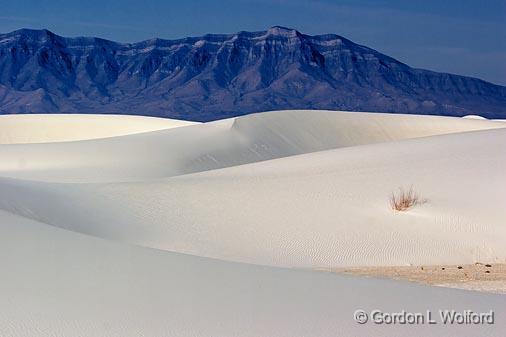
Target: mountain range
217	76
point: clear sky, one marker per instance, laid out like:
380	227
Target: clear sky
465	37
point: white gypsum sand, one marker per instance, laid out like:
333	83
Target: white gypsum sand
45	128
304	189
225	143
61	283
325	209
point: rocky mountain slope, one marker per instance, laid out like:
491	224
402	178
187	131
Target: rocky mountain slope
217	76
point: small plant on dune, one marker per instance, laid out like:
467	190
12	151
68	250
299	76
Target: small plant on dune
404	199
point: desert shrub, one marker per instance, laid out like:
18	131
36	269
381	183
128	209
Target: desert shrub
404	199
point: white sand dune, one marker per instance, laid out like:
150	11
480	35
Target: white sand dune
45	128
60	283
304	189
318	210
219	144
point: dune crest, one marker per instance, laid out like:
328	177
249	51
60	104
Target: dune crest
225	143
244	197
294	189
50	128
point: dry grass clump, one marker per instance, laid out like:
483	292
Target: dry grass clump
404	199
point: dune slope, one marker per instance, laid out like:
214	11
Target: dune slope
56	282
92	231
317	210
48	128
225	143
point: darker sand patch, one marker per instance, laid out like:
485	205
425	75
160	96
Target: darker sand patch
478	276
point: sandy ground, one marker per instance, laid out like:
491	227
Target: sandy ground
321	209
50	128
61	283
204	229
478	276
209	146
303	189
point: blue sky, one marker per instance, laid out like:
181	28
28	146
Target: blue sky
466	37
